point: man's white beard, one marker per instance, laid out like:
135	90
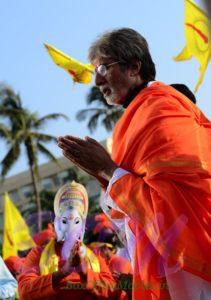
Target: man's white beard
110	99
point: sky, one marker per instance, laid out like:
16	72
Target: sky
72	26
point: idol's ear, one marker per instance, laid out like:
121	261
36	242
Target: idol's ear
57	227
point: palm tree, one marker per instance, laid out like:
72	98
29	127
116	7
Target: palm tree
21	127
104	112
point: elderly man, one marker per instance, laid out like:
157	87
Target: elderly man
8	284
65	268
158	181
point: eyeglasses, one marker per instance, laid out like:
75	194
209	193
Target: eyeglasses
102	69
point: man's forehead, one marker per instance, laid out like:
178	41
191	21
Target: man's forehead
102	60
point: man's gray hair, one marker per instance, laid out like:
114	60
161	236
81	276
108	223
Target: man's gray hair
125	45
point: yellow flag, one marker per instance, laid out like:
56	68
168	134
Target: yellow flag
80	72
16	234
197	38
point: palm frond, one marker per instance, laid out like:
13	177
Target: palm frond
10	112
9	98
43	137
96	96
105	113
43	120
47	153
94	115
10	158
5	132
84	113
94	120
19	101
18	134
21	126
110	119
6	90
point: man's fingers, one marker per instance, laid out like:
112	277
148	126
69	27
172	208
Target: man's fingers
71	147
63	146
69	156
69	138
82	142
91	140
65	141
76	161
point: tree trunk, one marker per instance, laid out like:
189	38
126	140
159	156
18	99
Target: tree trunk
37	197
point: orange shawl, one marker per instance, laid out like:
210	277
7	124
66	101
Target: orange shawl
164	141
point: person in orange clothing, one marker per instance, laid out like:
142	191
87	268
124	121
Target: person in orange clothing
158	181
15	264
107	245
43	237
65	268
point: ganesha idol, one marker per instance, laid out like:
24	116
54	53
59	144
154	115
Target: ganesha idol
70	207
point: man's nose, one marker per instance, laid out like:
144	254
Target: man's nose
99	79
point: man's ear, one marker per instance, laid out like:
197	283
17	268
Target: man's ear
135	68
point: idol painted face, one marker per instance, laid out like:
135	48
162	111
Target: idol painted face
71	222
116	83
69	225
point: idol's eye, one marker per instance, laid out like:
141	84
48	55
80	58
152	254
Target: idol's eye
77	221
64	221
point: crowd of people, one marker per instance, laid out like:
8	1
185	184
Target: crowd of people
61	265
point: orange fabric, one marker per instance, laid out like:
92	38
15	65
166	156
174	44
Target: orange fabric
43	237
120	265
115	263
15	264
33	286
164	141
103	222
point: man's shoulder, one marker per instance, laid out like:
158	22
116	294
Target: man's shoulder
160	95
157	89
